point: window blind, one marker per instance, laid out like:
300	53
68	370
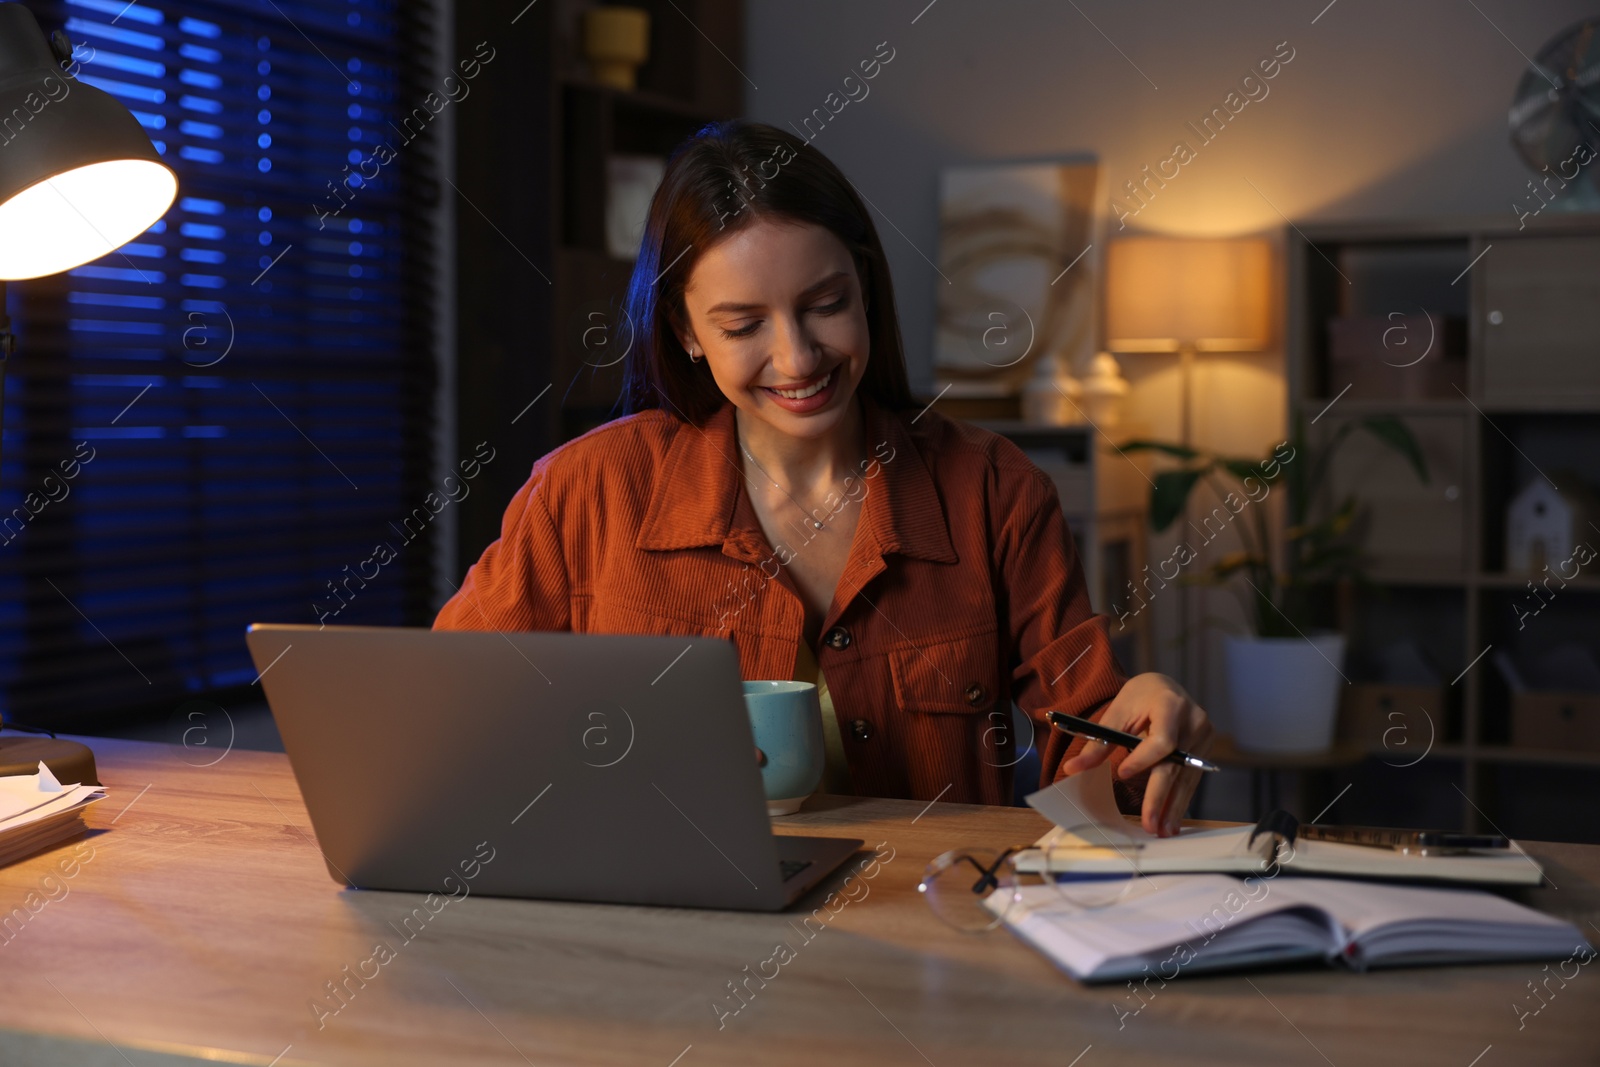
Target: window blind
218	424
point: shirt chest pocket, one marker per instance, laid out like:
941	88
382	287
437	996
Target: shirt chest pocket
950	677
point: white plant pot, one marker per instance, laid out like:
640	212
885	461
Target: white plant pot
1284	691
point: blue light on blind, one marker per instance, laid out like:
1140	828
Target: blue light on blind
150	329
201	103
201	79
206	508
98	432
126	90
118	274
106	58
116	299
199	28
121	9
104	32
136	380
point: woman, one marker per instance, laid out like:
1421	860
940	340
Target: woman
778	485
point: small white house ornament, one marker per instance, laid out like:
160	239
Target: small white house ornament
1545	522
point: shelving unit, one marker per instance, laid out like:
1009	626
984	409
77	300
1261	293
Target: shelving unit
537	294
683	86
1519	395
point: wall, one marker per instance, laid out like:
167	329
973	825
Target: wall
1384	111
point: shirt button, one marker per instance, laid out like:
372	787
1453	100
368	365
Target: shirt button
838	638
976	693
861	729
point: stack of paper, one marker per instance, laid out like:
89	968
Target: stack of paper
36	811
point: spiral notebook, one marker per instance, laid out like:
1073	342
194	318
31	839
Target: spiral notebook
1170	924
1087	798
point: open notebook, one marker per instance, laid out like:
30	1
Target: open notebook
1178	924
1087	798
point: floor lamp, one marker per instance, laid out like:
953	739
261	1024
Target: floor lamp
79	178
1188	296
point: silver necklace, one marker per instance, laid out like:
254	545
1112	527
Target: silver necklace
816	524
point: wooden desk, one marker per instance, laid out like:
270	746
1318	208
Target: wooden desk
205	926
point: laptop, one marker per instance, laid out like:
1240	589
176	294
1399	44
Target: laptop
586	767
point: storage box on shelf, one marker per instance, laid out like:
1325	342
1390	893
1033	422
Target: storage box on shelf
1480	336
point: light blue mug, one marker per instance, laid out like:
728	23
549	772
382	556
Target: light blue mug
787	722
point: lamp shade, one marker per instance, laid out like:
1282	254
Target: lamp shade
78	176
1167	293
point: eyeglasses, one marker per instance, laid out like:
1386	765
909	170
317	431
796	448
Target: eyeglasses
975	890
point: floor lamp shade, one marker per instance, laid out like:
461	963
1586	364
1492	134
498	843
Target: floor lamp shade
78	175
1164	294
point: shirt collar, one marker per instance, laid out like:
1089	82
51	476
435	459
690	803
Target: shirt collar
696	497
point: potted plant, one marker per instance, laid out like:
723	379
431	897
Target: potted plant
1283	678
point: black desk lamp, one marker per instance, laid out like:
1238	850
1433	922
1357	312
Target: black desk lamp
78	179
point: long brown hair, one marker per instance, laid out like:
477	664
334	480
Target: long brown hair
717	182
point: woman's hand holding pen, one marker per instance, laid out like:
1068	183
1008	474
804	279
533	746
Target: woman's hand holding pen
1157	708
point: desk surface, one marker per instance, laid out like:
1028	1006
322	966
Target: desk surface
205	925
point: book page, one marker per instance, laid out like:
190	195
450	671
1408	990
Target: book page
1381	920
1191	922
1219	849
1085	798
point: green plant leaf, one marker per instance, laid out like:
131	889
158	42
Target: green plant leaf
1169	495
1324	530
1398	436
1234	562
1182	452
1244	468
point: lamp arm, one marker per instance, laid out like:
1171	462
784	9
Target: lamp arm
8	345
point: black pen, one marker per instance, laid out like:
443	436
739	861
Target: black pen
1074	724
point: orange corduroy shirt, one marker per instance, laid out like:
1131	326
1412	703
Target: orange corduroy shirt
962	592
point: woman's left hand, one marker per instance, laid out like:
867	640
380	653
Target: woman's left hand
1156	707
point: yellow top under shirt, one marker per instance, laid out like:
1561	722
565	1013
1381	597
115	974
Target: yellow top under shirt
836	771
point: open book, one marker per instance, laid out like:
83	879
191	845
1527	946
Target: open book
1087	798
36	811
1173	924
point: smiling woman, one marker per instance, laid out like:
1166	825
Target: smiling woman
766	385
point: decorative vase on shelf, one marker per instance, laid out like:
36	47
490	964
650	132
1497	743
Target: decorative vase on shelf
1104	391
616	42
1052	397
